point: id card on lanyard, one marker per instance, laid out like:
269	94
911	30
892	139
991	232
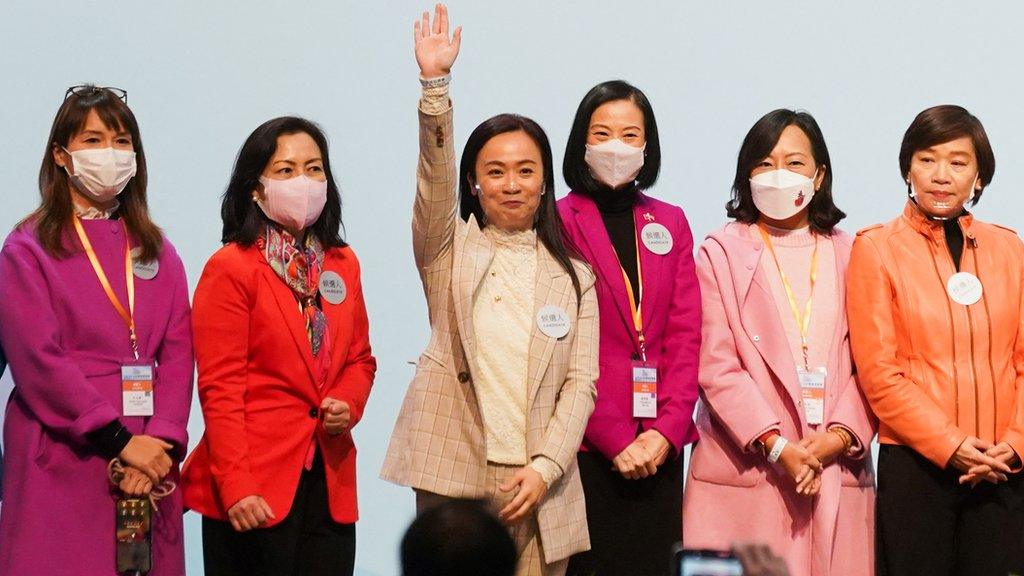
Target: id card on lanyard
644	374
812	380
137	377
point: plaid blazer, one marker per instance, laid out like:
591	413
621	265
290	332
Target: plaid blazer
438	441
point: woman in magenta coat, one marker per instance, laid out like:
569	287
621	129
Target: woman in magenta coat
67	344
642	252
782	458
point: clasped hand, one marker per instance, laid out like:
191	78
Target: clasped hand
643	456
983	461
146	463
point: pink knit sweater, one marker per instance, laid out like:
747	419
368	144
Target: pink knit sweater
794	249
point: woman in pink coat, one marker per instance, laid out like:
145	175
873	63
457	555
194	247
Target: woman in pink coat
783	457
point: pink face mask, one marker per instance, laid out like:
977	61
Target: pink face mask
614	163
294	203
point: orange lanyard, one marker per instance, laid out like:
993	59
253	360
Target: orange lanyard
803	321
127	315
635	303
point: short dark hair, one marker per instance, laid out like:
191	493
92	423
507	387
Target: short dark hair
243	219
548	223
458	538
574	165
822	213
944	123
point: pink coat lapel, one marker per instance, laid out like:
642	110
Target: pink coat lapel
757	306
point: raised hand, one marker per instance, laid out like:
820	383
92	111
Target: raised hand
435	51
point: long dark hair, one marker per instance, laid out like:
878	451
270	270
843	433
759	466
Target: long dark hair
548	223
52	218
822	213
574	166
243	219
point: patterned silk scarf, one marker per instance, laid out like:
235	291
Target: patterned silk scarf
299	267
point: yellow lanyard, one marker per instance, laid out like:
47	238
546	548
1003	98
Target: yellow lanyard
635	303
803	321
127	315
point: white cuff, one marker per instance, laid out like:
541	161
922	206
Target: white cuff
548	469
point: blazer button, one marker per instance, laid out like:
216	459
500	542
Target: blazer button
313	413
756	338
463	377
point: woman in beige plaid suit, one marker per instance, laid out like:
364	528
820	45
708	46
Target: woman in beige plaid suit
502	393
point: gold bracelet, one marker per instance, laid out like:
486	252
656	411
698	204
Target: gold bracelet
844	437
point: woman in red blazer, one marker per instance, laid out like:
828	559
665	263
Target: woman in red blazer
285	369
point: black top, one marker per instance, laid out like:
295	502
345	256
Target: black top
616	208
109	440
954	240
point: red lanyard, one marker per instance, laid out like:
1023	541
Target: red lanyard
127	315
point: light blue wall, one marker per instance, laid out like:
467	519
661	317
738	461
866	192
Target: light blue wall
202	75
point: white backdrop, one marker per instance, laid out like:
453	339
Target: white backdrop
202	75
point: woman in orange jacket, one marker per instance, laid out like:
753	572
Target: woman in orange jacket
934	304
285	369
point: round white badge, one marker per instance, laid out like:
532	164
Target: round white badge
964	288
657	238
332	287
553	321
144	270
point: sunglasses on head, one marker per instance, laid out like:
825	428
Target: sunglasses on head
90	90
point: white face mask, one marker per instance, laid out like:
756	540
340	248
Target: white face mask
101	173
294	203
913	193
614	163
779	194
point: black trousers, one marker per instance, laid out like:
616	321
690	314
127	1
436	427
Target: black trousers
633	523
306	543
928	524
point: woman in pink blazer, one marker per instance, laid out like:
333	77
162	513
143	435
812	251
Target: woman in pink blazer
642	251
783	457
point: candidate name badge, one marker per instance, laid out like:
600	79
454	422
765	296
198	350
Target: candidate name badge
656	238
137	390
645	390
553	321
144	270
332	287
812	392
964	288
